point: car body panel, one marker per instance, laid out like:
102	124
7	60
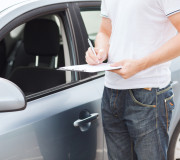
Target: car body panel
7	14
60	102
175	74
10	3
45	128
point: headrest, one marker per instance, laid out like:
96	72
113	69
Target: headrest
2	44
41	37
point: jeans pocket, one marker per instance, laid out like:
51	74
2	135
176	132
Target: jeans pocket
169	106
144	97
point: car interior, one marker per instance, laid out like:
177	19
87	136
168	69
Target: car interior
31	54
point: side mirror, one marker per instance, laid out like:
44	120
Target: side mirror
11	97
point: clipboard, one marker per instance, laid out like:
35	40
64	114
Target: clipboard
90	68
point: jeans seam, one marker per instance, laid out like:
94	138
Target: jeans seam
159	143
164	90
111	97
115	99
165	104
156	110
113	103
166	109
167	99
132	150
157	130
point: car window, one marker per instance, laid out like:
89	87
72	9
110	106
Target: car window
92	20
39	49
17	31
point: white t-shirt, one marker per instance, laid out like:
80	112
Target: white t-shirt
139	27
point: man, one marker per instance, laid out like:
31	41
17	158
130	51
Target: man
141	36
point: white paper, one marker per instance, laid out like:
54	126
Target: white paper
90	68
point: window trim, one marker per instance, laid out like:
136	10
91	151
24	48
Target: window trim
82	48
89	4
61	88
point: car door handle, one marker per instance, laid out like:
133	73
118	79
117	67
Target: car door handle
91	118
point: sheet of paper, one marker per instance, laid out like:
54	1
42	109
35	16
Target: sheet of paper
89	68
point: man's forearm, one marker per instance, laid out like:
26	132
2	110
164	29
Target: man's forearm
168	51
102	42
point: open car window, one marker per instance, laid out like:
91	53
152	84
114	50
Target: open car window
32	53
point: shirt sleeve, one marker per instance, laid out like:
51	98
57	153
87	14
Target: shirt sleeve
104	10
170	7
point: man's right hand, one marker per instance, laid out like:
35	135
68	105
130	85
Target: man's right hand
91	59
102	44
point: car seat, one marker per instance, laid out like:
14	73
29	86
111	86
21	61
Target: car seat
19	58
41	39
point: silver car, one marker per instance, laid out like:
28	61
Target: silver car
47	114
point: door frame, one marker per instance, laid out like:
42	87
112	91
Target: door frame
81	34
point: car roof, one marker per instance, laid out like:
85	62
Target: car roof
10	9
6	4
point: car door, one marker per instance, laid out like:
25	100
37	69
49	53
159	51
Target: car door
62	122
89	19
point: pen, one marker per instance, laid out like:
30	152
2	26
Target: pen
92	48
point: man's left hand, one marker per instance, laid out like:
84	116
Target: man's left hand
129	68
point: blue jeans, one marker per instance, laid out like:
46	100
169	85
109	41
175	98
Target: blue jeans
136	123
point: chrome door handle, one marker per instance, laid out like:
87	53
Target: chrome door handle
91	118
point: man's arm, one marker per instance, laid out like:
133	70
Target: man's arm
101	43
168	51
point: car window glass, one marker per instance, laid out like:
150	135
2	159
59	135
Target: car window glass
17	31
38	48
92	20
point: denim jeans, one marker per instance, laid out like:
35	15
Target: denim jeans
136	123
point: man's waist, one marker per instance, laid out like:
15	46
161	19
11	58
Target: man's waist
116	82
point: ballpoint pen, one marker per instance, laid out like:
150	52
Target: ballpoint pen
92	48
